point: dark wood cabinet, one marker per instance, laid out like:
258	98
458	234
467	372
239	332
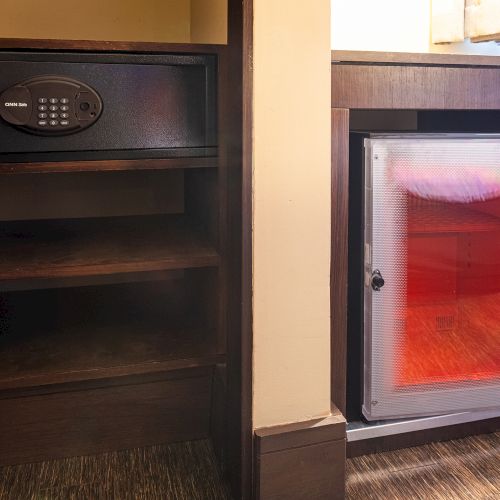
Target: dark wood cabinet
390	92
120	287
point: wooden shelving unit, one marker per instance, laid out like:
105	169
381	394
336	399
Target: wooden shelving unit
114	316
109	304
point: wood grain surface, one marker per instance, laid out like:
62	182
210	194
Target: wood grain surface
95	332
106	165
87	247
422	59
103	419
378	86
301	460
109	46
339	259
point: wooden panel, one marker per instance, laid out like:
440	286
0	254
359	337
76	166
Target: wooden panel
339	261
108	46
235	188
202	201
423	59
91	194
311	472
304	460
86	354
219	417
98	420
86	247
406	440
283	437
107	165
364	86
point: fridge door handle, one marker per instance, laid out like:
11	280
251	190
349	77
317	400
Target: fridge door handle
377	280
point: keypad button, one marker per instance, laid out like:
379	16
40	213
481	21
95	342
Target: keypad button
53	123
53	115
64	123
42	100
53	100
64	100
42	115
53	108
42	108
64	108
64	115
42	123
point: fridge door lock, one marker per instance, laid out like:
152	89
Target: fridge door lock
377	280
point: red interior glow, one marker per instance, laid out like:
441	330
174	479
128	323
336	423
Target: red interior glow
452	329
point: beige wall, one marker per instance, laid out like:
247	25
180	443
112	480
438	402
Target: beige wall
209	21
151	20
291	210
392	25
199	21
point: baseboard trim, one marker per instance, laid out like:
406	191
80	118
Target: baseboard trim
302	460
421	437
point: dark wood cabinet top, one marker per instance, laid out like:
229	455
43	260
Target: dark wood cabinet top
407	58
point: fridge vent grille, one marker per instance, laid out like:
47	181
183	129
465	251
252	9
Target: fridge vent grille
444	323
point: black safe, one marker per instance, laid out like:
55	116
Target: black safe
60	106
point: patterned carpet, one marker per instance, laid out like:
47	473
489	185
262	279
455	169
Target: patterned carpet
466	469
177	471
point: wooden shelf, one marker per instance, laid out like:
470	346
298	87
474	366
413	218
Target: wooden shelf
101	246
107	165
59	336
110	46
91	352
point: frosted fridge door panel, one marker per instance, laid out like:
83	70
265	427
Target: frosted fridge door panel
432	234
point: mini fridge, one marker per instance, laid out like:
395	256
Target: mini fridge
431	274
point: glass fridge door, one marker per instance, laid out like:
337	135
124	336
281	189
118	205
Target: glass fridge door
432	275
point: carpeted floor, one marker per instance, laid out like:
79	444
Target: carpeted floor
466	469
177	471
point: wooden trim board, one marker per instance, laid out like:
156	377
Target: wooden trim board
108	46
385	86
362	56
339	263
100	419
417	438
301	460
